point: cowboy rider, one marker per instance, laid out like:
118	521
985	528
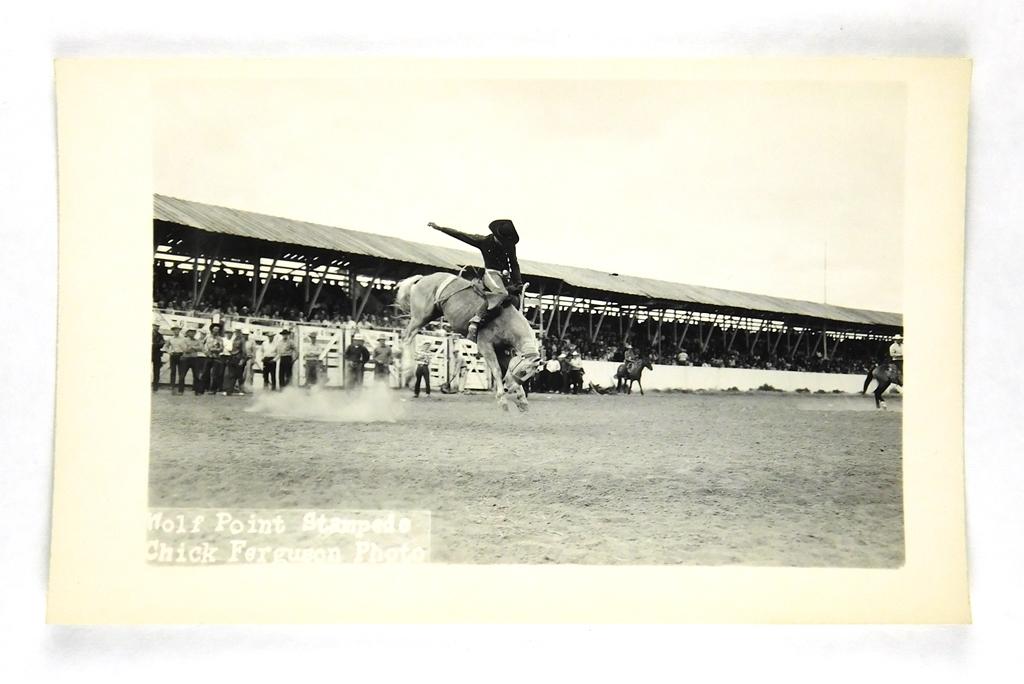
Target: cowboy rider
629	355
499	253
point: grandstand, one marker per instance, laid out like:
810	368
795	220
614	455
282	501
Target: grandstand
260	267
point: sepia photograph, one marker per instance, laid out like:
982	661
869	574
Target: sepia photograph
523	321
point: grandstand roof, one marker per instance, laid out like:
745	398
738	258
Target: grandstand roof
215	219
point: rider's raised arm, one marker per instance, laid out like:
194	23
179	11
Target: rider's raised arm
475	240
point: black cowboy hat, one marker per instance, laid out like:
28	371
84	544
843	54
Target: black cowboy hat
504	230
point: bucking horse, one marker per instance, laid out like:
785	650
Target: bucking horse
427	298
885	374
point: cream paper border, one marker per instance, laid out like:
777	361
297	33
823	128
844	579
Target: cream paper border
98	573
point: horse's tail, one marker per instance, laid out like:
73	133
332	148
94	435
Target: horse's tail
404	290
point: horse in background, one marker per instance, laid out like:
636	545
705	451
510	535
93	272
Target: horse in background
885	374
427	298
632	372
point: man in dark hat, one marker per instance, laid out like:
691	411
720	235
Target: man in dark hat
499	252
286	353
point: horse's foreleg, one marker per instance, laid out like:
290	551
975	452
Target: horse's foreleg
641	386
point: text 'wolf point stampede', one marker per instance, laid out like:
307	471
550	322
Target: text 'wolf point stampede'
254	536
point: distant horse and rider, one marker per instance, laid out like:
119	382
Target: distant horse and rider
632	371
484	309
887	373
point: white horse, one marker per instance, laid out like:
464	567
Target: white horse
427	298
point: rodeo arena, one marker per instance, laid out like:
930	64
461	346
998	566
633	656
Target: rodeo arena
298	365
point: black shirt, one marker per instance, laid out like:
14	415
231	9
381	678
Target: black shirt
496	255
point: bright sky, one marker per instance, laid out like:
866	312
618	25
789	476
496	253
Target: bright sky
724	184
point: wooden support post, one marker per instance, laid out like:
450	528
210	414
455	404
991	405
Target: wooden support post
537	312
686	329
629	326
792	351
255	281
352	291
568	318
711	329
732	338
551	314
369	291
206	275
195	276
817	343
824	343
305	286
600	320
657	334
316	293
266	283
752	345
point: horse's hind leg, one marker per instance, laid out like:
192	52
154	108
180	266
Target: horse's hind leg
490	358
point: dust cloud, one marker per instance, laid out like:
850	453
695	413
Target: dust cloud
371	404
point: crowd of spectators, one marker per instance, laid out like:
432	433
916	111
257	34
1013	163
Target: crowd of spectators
228	297
854	356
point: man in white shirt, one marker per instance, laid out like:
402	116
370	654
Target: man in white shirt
896	351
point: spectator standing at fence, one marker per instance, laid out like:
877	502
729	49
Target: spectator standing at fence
356	356
422	369
682	358
576	373
268	362
460	370
382	358
157	354
175	346
190	350
286	353
563	373
213	348
259	351
311	357
249	352
552	374
234	364
201	363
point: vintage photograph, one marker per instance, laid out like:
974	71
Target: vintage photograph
527	321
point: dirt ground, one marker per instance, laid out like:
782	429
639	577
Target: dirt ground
705	478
